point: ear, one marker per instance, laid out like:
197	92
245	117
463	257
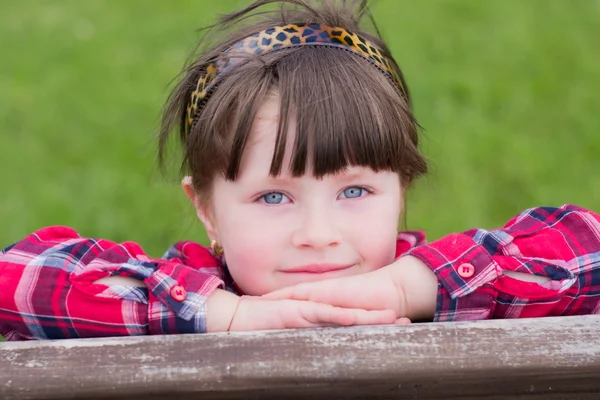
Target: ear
203	211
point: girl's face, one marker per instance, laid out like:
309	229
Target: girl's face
280	231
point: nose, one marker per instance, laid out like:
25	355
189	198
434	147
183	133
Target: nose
316	229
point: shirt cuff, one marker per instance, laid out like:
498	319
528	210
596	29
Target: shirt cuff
177	296
466	272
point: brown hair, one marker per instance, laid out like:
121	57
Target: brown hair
347	111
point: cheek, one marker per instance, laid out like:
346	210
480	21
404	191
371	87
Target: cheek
375	234
379	248
250	271
252	251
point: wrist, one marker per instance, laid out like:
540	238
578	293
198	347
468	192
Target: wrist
417	286
221	308
235	313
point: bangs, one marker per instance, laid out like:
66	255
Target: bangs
347	113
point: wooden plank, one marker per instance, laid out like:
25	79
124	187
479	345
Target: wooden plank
550	358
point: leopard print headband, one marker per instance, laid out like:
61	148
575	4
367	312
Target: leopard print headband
282	37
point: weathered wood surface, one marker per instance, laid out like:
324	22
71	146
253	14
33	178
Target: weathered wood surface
551	358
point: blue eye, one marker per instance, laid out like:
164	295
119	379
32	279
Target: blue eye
353	192
275	198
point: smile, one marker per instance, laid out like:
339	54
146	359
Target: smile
317	268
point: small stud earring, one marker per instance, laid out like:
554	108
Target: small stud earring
216	248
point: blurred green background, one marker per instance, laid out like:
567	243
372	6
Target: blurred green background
508	93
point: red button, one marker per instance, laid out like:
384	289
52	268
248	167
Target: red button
178	293
466	270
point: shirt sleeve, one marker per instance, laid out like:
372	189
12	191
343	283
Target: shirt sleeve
561	244
48	289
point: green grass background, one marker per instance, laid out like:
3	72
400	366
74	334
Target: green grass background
508	93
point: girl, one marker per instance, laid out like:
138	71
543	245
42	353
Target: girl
298	145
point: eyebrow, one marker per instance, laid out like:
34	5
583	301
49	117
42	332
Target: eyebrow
271	180
340	176
349	176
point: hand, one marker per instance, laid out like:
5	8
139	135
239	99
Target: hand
406	286
255	313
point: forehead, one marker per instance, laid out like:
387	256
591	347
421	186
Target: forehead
266	116
259	151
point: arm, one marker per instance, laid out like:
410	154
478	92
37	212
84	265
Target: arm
544	262
52	288
55	284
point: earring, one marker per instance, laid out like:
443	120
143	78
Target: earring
216	248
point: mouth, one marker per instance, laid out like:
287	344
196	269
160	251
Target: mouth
317	268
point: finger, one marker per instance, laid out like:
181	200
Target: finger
326	314
403	321
341	292
325	291
297	292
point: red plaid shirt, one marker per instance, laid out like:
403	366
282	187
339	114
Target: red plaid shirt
47	288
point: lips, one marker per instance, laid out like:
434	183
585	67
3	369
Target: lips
317	268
